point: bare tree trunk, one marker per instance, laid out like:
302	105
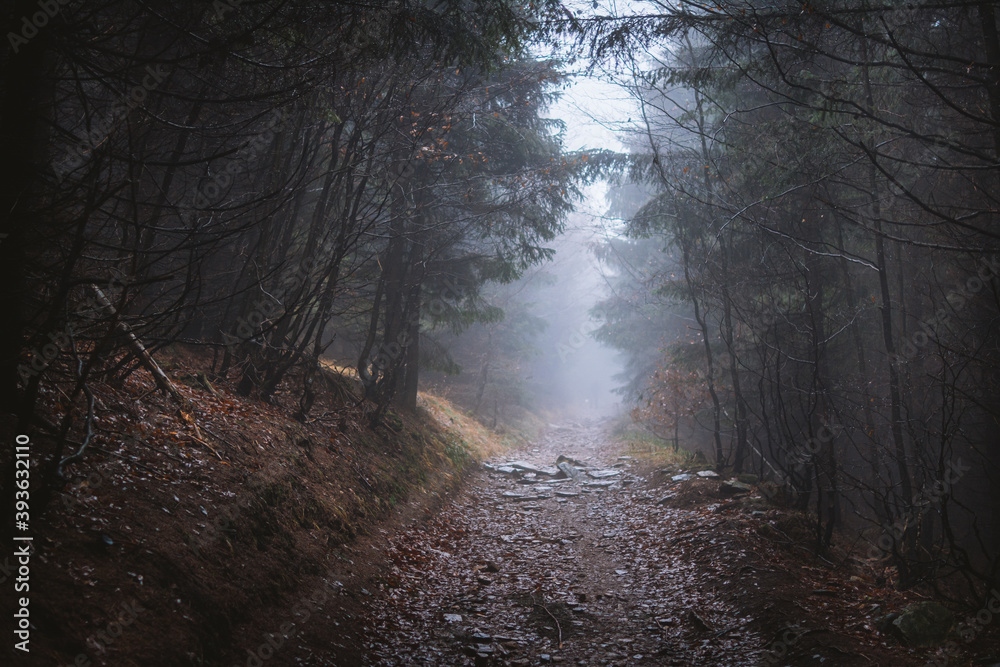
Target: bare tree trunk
991	40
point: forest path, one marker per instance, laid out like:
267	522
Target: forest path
584	574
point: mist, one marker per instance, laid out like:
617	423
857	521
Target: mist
579	373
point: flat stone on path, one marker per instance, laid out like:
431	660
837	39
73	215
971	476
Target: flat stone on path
563	590
524	466
518	497
531	469
601	474
734	486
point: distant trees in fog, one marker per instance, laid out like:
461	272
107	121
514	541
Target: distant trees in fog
825	189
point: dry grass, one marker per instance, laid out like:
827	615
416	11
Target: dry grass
481	442
656	451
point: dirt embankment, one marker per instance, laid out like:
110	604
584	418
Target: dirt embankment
188	539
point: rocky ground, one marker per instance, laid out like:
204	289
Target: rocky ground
612	566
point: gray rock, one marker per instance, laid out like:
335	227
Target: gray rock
708	474
924	624
569	470
683	477
601	474
731	486
517	497
574	462
524	466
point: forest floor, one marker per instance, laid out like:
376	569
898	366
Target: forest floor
273	543
185	538
628	569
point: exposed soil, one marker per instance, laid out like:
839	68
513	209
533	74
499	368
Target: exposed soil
614	576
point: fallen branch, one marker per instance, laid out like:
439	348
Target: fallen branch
219	437
141	353
206	445
554	620
732	627
699	622
163	382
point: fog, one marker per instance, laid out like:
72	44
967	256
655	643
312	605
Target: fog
579	372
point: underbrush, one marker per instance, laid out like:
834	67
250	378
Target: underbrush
642	444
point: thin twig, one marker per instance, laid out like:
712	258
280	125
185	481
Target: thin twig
206	445
78	455
218	437
731	628
555	620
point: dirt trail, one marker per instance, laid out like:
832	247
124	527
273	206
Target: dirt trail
595	578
